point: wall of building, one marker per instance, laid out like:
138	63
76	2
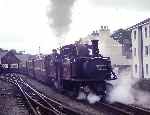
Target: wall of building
141	51
136	53
146	50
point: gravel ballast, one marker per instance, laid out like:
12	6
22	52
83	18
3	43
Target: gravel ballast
8	101
45	89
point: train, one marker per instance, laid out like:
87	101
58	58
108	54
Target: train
77	67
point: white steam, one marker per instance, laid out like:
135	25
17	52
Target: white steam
90	97
93	98
81	96
124	91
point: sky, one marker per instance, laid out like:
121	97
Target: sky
28	24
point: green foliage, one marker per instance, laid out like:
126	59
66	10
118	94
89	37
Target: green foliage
122	36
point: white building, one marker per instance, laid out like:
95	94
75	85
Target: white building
109	47
140	34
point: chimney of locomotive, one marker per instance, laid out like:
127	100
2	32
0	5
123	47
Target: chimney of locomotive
95	50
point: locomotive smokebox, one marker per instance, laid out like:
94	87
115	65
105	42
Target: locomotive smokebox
95	50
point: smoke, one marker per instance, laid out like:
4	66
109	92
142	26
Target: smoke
125	92
60	14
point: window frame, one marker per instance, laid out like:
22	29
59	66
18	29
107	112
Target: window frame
134	51
147	72
146	50
135	68
145	32
134	34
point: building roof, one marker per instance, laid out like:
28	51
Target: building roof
10	58
144	22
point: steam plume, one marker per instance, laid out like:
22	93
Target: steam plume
125	92
60	14
123	89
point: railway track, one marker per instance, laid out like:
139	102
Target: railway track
38	103
121	109
42	105
134	110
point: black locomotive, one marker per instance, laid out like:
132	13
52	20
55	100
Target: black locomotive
75	69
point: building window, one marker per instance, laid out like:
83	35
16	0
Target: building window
145	32
134	34
146	50
146	68
134	51
135	68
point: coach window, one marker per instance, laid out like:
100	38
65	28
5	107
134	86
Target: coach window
146	50
135	68
145	32
147	69
134	34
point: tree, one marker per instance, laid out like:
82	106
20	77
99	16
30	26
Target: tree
122	36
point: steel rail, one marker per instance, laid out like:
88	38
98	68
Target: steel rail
42	105
50	103
114	109
29	103
43	98
134	109
59	104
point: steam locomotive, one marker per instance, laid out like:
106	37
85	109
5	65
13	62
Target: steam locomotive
78	67
75	69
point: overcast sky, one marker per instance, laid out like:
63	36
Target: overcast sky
26	24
